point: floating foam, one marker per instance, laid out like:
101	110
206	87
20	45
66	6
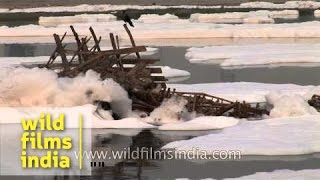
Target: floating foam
155	18
277	136
289	105
101	8
255	54
82	18
287	4
173	30
262	16
13	115
170	111
41	87
283	174
202	123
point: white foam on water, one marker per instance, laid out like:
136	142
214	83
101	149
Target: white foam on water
255	54
169	111
155	18
100	8
306	174
173	30
277	136
41	87
289	105
288	4
82	18
253	17
201	123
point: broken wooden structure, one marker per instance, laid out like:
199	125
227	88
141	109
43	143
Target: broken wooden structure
201	103
136	75
315	102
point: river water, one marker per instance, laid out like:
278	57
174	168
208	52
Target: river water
182	168
174	56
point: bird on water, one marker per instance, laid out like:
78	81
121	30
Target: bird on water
127	19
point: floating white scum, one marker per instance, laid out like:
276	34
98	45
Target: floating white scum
41	87
289	105
283	174
201	123
238	56
263	16
155	18
174	30
170	111
277	136
288	4
82	18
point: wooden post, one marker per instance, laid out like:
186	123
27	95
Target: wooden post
76	36
118	42
60	50
114	46
54	53
194	102
113	42
131	38
95	39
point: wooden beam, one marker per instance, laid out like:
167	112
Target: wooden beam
119	51
151	69
95	39
135	61
158	78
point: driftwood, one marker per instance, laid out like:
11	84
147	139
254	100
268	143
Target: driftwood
136	75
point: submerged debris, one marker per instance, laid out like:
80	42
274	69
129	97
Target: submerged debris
315	102
136	75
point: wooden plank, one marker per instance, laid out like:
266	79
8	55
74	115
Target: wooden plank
135	61
152	70
119	51
158	78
